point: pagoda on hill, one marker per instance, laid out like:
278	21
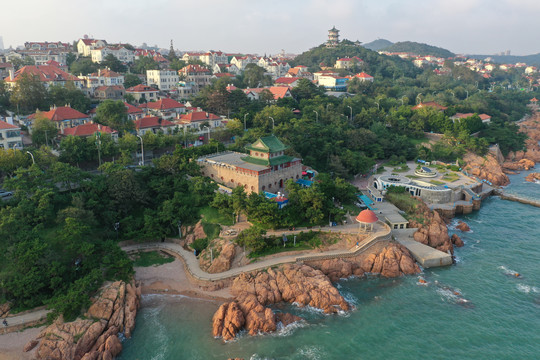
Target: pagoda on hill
333	37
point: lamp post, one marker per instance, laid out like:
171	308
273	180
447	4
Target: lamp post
418	97
351	111
316	113
378	106
207	128
98	145
142	149
116	227
245	128
273	123
33	161
467	91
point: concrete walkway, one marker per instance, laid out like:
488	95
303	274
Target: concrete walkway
424	255
192	263
18	322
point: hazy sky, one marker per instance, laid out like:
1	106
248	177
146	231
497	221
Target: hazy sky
253	26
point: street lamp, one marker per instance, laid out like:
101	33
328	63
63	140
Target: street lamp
245	128
378	106
33	161
142	149
316	113
273	123
467	91
116	227
418	97
351	111
208	132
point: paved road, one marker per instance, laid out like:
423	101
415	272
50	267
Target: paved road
192	263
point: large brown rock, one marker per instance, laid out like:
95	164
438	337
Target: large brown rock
533	177
113	309
228	321
463	226
223	255
456	240
392	261
487	168
434	232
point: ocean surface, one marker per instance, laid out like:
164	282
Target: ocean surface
475	309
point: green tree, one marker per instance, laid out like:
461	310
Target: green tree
131	80
43	130
83	66
29	94
144	63
70	59
69	95
114	114
254	76
113	63
252	238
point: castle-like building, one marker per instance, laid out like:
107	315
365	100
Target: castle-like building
265	169
333	37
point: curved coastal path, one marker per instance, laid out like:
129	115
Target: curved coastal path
192	263
25	319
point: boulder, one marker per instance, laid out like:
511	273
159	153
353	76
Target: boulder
113	345
224	252
227	321
287	318
456	240
30	345
487	168
463	226
533	177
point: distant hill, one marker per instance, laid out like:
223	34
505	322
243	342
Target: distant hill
374	64
378	44
511	59
419	49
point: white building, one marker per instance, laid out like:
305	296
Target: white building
84	46
165	80
209	58
10	136
120	52
103	77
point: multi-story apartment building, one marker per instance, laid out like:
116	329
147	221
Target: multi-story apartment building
10	136
165	80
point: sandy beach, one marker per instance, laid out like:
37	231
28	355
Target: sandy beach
12	344
171	279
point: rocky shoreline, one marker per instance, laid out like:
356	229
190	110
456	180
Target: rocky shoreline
97	336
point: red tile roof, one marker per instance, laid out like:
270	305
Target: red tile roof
165	104
61	113
88	129
132	109
5	125
286	80
363	75
194	69
218	75
44	72
106	73
198	116
367	216
151	122
141	88
112	87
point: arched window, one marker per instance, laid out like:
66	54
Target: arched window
212	175
252	188
263	188
222	178
269	186
232	180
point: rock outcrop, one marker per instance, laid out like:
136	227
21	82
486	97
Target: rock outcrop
523	164
456	240
533	177
434	233
194	233
487	168
462	226
223	255
96	338
392	261
299	284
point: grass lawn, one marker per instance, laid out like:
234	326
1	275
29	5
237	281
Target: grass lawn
412	176
213	216
151	258
419	141
403	168
211	230
352	209
436	182
451	177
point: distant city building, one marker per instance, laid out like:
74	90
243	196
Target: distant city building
86	45
35	45
333	37
1	43
49	75
63	117
10	136
143	93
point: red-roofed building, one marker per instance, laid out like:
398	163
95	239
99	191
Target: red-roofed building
49	75
89	129
197	118
133	112
63	117
10	136
104	77
363	77
431	104
198	76
279	92
166	108
153	124
484	117
287	81
85	46
5	68
115	92
146	93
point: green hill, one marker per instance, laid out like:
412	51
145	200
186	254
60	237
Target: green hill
378	44
419	49
374	64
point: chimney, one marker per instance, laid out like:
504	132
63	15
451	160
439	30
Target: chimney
207	115
99	72
11	74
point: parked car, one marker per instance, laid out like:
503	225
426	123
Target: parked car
5	194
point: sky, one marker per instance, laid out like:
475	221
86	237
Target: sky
255	26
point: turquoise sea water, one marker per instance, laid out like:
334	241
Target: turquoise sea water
475	309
